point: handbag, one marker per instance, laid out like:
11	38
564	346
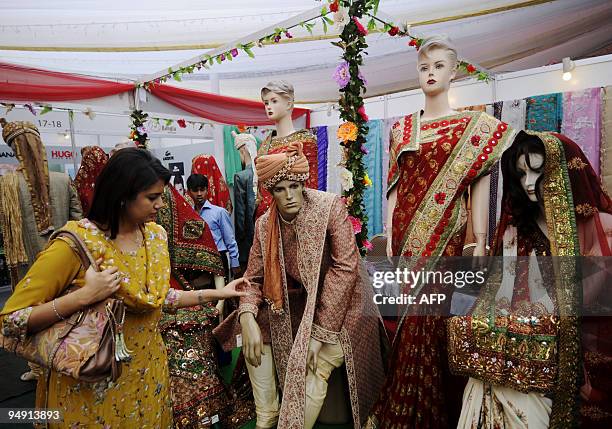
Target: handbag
505	349
89	345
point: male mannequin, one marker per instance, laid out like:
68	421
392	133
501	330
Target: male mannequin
245	189
308	310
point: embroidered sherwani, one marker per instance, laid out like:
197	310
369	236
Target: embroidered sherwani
325	299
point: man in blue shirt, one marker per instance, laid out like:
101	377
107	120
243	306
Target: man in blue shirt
218	220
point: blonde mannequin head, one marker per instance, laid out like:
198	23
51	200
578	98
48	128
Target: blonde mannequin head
278	99
437	64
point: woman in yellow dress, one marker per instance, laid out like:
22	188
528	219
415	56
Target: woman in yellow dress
132	253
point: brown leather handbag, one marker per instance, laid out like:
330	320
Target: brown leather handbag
87	346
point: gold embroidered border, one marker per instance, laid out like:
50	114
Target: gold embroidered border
563	236
455	169
399	145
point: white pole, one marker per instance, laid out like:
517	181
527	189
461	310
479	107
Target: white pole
72	142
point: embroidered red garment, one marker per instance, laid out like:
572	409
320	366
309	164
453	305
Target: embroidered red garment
593	212
432	164
218	192
190	242
93	161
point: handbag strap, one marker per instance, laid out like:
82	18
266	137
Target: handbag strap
79	246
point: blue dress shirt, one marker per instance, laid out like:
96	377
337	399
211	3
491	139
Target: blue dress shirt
220	224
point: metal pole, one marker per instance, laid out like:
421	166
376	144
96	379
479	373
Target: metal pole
72	140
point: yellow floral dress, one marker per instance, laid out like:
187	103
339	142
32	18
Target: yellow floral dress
140	398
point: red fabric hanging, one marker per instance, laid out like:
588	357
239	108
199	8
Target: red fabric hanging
218	108
20	83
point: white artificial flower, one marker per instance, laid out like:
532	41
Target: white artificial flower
341	18
346	179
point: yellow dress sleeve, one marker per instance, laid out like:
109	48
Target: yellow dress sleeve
53	270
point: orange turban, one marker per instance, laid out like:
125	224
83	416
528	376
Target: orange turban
289	165
271	169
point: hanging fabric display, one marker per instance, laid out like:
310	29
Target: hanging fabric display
606	139
373	195
544	113
230	154
582	121
322	143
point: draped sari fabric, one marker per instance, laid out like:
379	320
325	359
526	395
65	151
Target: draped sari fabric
94	160
578	216
432	164
582	122
196	384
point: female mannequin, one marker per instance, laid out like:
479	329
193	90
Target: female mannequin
278	99
553	205
435	156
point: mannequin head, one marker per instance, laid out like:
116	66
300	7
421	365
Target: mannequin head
289	198
522	168
278	99
436	65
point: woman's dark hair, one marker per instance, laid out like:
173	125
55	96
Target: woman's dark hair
127	173
197	181
524	211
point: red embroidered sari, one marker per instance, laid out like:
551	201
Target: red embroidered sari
276	145
218	192
432	164
94	160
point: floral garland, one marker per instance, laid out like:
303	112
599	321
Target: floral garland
139	131
352	133
276	36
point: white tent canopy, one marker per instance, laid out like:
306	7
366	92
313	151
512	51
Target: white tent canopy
106	39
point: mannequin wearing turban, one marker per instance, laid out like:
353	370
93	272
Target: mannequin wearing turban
33	203
307	307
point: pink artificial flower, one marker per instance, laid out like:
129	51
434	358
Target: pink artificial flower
363	114
362	30
367	245
356	224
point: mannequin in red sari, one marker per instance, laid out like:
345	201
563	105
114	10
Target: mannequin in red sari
278	99
553	205
198	391
93	161
436	155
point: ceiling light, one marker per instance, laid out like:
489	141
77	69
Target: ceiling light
568	66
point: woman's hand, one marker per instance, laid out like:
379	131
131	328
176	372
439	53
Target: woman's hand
99	285
231	289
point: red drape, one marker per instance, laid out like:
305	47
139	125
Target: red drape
20	83
218	108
